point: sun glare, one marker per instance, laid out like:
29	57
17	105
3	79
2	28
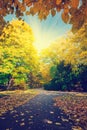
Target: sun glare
43	39
43	35
46	31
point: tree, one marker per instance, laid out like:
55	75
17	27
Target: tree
63	78
18	57
72	11
78	46
65	54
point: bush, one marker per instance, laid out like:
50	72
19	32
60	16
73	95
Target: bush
82	77
4	79
62	78
66	79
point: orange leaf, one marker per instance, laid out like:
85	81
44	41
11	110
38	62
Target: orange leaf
58	9
53	12
65	17
74	3
85	10
66	9
27	12
58	2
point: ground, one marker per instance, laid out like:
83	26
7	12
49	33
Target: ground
42	110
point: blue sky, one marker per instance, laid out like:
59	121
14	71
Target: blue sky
45	31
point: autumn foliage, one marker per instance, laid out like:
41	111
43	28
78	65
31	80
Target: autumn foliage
66	60
61	66
72	11
18	57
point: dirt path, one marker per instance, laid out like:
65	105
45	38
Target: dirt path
37	114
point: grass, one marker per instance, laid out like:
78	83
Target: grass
29	91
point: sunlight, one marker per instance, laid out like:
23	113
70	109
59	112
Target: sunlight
44	35
44	40
46	31
43	64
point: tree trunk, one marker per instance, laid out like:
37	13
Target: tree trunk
10	84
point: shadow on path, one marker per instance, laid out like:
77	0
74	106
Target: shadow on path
37	114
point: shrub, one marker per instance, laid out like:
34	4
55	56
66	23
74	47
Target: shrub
66	79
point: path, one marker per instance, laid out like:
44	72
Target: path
37	114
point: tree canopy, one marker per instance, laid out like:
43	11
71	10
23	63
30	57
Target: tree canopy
66	62
72	11
18	57
62	65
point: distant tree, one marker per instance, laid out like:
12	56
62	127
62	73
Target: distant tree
63	78
73	51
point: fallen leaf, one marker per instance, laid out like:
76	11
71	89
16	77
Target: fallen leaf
22	124
51	112
48	121
57	123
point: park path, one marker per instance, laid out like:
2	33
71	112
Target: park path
39	113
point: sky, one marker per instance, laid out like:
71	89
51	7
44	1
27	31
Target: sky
45	31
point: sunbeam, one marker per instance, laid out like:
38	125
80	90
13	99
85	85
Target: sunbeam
46	31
